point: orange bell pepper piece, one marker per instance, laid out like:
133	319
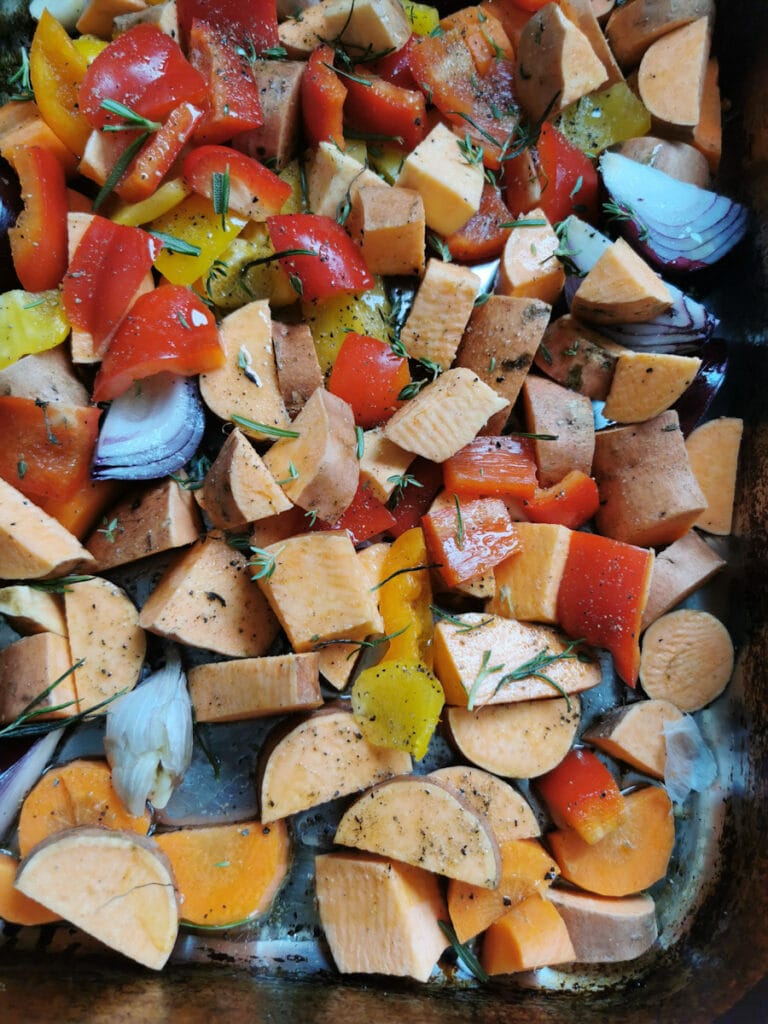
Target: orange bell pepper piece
56	69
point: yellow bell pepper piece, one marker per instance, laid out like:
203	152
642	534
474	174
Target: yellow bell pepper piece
601	119
230	282
397	704
295	202
164	199
330	321
30	322
423	18
90	47
386	158
195	222
405	599
56	69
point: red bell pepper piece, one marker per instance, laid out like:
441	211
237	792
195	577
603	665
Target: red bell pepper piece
39	239
571	502
369	376
254	191
322	99
243	22
469	538
491	465
167	329
395	67
383	108
146	171
602	596
104	273
47	448
364	517
483	236
233	103
529	5
568	178
580	793
411	501
145	70
483	34
335	266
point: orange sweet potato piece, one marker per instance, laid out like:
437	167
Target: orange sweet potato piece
631	857
15	907
530	935
671	75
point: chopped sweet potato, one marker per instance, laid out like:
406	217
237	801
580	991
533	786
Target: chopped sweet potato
529	268
14	906
634	26
388	223
33	611
526	870
226	691
116	886
298	371
518	741
627	860
646	384
383	464
379	915
527	583
686	658
708	133
425	823
620	288
578	357
604	929
530	935
440	312
677	571
226	874
635	734
677	159
32	665
320	758
671	75
279	84
713	452
509	814
567	418
584	15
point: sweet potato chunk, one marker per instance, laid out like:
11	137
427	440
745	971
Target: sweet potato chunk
28	667
568	418
620	288
509	814
440	312
672	72
531	935
226	691
388	223
713	452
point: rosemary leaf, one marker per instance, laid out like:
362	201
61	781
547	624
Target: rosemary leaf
121	166
173	244
263	428
408	568
464	953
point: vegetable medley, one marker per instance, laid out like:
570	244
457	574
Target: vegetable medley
364	339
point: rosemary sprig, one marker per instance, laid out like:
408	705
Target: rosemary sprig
408	568
483	672
359	442
21	80
131	120
623	211
401	481
461	627
173	244
220	182
263	560
524	222
459	523
121	166
263	428
375	642
464	953
534	667
62	585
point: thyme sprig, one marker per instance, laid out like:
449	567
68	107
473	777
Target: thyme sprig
21	81
533	668
408	568
464	953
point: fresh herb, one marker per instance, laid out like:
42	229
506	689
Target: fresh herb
52	439
37	302
173	244
264	561
438	246
220	182
293	474
438	30
274	53
375	642
534	668
471	153
483	673
464	953
411	390
533	437
183	321
572	349
624	212
274	257
348	74
297	284
360	442
525	135
23	725
461	626
110	528
408	568
62	585
219	269
525	222
311	515
20	81
401	481
263	428
21	468
492	364
222	864
131	120
577	187
545	354
195	470
459	523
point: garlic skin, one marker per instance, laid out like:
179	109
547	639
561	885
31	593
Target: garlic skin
690	764
148	739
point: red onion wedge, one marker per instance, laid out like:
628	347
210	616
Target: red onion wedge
151	430
19	779
674	224
684	326
693	405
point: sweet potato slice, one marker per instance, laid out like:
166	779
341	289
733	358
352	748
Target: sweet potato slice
527	583
677	159
677	571
627	860
566	416
713	452
635	734
672	72
509	814
32	611
556	64
318	468
104	631
607	930
379	916
646	384
116	886
472	663
425	823
708	133
686	658
620	288
530	935
14	906
633	27
30	666
526	870
518	741
226	874
322	757
529	268
298	371
578	357
441	309
584	15
229	691
75	794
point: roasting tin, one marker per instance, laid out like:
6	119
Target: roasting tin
714	906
